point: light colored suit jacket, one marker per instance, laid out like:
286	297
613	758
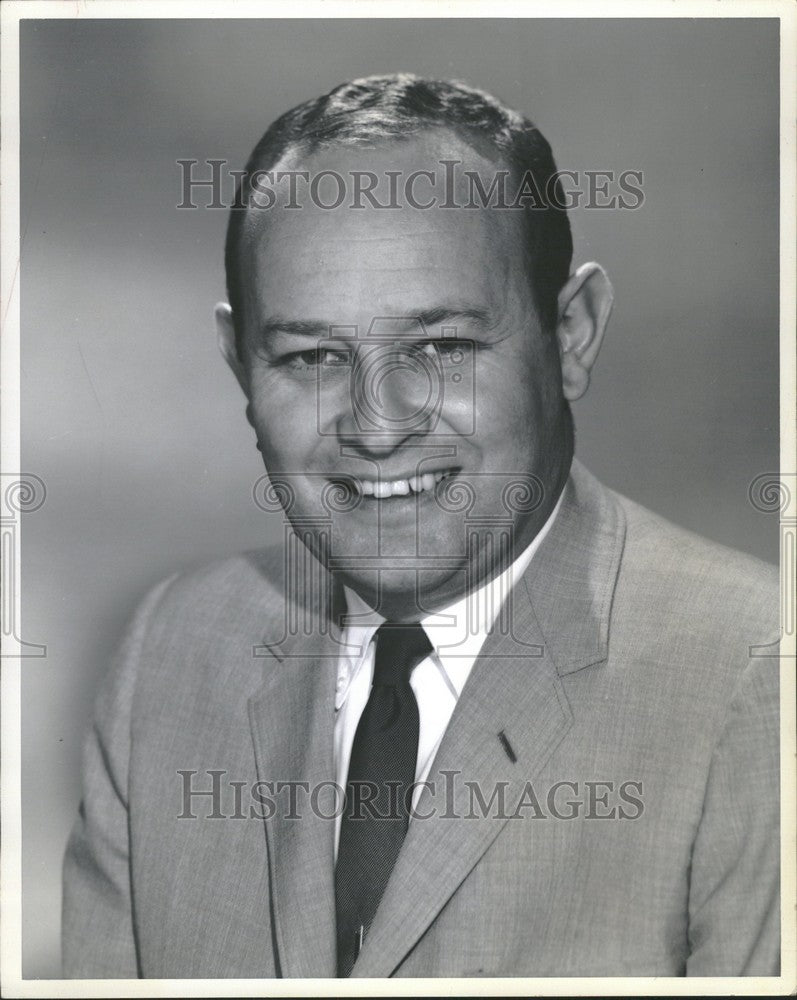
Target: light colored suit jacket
628	663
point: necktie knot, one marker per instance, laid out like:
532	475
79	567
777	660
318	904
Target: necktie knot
399	649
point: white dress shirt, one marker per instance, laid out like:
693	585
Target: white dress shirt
456	632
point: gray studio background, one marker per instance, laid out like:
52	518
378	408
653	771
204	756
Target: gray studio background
137	428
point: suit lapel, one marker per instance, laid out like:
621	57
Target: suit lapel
292	722
512	714
572	578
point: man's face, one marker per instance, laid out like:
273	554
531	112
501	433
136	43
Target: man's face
440	389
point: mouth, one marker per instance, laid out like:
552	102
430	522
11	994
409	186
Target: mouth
385	489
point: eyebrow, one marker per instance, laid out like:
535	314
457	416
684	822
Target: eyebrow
302	327
443	314
427	317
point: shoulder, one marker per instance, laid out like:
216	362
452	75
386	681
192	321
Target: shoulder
665	574
256	574
237	595
693	631
702	616
192	638
699	580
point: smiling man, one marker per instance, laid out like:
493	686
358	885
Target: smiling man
378	346
478	715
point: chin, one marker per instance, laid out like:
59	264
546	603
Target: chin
405	594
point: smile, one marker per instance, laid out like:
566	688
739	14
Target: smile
385	488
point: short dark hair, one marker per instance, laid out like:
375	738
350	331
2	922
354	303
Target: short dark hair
379	108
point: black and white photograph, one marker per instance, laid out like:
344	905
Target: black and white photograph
399	499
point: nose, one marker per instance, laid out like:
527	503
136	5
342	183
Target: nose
395	394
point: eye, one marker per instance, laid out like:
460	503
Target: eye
312	359
334	358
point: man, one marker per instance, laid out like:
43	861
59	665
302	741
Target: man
558	748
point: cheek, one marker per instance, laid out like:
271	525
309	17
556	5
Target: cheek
518	415
509	399
285	423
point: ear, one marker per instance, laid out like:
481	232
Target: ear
225	331
585	304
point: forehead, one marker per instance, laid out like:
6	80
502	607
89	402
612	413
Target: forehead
346	262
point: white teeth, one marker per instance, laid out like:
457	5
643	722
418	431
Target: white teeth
400	487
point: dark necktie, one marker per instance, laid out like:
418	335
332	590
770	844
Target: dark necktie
379	787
